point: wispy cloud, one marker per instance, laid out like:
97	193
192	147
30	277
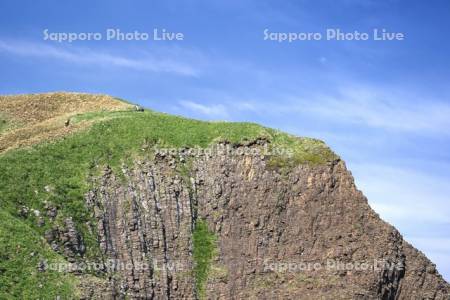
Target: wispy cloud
376	107
224	110
402	194
149	62
379	108
437	249
207	110
414	202
438	245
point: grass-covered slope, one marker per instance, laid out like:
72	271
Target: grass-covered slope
30	119
22	249
53	169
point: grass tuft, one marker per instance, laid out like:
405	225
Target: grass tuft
205	249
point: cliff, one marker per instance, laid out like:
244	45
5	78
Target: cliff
120	204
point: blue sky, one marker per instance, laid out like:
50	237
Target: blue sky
383	106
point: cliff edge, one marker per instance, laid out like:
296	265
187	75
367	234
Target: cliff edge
111	202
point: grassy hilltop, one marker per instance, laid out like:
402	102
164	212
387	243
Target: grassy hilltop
51	143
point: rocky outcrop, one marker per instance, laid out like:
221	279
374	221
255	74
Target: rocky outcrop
304	232
66	240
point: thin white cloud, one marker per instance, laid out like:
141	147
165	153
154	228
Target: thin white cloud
400	195
438	245
149	62
210	111
223	109
364	106
398	213
323	60
383	109
410	199
436	249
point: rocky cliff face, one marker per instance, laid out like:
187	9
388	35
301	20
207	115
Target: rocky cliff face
304	232
90	210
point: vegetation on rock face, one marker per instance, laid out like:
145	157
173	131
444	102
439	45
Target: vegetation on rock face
205	249
54	173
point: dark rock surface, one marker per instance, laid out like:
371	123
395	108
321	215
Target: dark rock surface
66	240
304	233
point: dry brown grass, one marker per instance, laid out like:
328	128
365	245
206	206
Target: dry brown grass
34	118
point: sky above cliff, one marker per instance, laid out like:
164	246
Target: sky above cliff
382	105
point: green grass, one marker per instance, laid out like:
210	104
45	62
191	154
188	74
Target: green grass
205	249
102	115
115	138
21	250
304	150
